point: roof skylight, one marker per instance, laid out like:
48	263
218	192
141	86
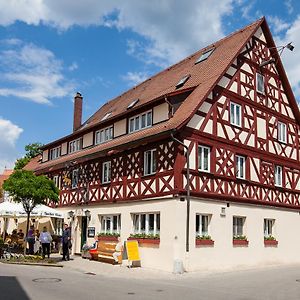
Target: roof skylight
205	55
133	103
106	116
182	81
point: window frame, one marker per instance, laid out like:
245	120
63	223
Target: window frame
153	162
104	164
238	159
282	134
201	166
137	121
260	77
205	55
75	145
199	231
138	220
236	226
57	181
111	219
55	153
276	174
102	133
73	185
235	119
269	227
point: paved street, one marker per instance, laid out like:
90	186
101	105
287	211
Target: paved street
72	282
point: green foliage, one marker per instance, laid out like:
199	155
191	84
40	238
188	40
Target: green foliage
25	187
1	241
32	150
240	237
113	234
145	236
203	237
270	238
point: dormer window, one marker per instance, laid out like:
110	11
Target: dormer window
260	83
205	55
103	135
182	81
106	116
133	103
140	122
55	153
75	145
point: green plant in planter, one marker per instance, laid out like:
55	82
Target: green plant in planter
113	234
240	237
270	238
145	236
203	237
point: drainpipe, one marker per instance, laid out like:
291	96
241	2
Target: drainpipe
188	193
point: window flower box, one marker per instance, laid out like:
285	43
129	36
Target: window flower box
240	241
145	240
270	241
108	237
204	240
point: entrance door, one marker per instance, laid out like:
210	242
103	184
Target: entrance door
83	230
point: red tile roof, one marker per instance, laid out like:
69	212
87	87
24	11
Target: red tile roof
204	76
6	173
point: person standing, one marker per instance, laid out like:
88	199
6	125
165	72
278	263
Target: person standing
45	239
66	242
30	240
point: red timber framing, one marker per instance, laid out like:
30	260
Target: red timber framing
256	139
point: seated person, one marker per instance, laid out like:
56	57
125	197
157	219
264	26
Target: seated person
118	250
14	236
21	234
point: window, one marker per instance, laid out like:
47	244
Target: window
75	178
202	222
268	227
205	55
110	223
106	116
75	145
204	158
56	180
150	162
235	114
58	226
141	121
282	132
133	103
55	153
240	162
103	135
106	172
278	176
260	83
182	81
148	223
238	225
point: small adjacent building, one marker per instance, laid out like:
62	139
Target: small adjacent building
229	110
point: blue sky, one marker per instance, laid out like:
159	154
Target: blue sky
50	49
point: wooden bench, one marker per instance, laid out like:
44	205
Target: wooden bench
106	250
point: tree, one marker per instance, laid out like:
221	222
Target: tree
30	190
32	150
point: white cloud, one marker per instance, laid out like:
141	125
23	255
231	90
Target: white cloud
9	133
73	66
133	78
288	4
277	24
32	73
172	29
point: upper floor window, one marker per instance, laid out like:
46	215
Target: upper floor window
278	175
282	132
150	162
56	180
103	135
75	178
268	227
240	162
148	223
238	226
110	224
106	172
141	121
202	223
75	145
205	55
204	158
55	153
260	83
235	114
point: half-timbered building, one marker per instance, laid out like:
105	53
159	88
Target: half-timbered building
229	110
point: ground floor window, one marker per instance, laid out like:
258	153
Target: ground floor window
238	226
58	226
202	225
148	223
268	227
110	223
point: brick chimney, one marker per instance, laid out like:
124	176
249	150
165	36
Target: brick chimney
77	111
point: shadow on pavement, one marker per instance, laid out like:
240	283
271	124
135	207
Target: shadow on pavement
10	289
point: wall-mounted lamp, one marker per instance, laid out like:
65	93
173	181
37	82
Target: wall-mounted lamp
88	214
71	214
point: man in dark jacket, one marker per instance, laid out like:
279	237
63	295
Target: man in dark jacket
66	242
